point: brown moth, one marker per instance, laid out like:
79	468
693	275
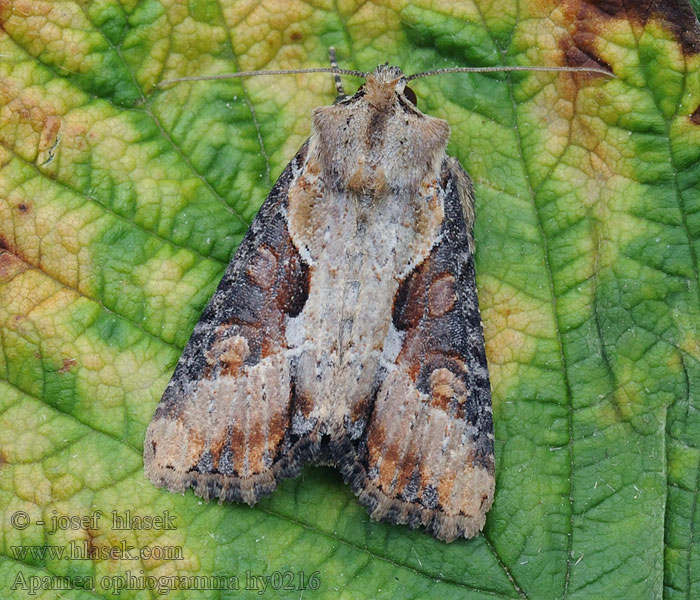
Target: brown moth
346	330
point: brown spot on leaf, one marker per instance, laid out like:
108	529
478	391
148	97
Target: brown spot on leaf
67	364
675	15
23	207
296	36
12	256
6	259
695	117
5	12
579	51
49	132
11	265
93	549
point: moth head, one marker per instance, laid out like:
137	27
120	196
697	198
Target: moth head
384	88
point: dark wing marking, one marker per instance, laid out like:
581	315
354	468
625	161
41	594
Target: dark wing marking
223	424
427	454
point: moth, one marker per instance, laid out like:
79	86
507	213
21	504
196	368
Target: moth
346	330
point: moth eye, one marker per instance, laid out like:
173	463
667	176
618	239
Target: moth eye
410	95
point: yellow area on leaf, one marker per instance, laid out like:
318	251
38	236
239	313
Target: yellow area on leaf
58	31
512	322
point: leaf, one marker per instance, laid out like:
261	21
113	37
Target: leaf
121	204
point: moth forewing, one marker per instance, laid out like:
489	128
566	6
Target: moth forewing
346	329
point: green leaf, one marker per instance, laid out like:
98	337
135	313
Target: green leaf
121	204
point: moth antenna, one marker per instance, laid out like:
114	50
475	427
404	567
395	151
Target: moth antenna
334	65
256	73
513	68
